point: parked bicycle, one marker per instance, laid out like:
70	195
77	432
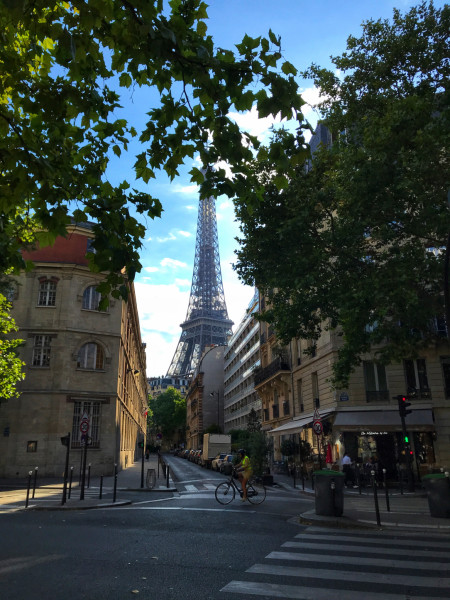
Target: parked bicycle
226	491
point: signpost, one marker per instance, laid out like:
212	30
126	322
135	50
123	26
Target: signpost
318	430
84	429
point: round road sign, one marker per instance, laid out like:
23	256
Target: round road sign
84	426
317	426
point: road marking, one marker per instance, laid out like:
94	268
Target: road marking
307	545
313	593
357	560
381	578
376	540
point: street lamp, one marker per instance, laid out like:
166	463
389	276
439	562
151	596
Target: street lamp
212	394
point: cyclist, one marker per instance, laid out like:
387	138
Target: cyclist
244	471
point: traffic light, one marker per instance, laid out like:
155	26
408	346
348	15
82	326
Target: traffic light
140	444
403	405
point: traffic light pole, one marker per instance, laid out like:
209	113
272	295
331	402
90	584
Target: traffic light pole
409	470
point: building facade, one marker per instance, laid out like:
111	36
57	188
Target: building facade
159	385
241	360
81	362
204	398
363	420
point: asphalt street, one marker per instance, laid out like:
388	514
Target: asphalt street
183	545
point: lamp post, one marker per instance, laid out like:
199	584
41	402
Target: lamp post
212	394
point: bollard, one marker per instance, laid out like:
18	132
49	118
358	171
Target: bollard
101	488
28	488
34	482
89	475
70	482
115	482
375	497
167	476
399	475
303	477
388	508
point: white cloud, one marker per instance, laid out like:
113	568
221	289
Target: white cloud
183	282
185	233
190	207
224	205
185	189
172	263
169	238
151	269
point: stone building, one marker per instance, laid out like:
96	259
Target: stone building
204	398
241	360
80	361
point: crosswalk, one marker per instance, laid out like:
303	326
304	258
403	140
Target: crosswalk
327	564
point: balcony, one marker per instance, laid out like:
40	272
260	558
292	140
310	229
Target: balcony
275	367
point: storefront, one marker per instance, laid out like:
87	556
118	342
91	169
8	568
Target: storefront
376	437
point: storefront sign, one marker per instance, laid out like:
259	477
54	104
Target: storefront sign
374	432
343	397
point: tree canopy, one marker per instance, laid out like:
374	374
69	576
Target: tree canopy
61	64
10	363
359	240
167	413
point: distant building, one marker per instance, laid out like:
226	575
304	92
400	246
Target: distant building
204	398
80	361
159	385
241	361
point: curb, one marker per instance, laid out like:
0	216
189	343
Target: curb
82	507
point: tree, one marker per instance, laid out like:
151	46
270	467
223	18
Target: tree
253	422
10	363
258	448
359	241
167	413
61	63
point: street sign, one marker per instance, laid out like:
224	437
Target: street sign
318	428
84	423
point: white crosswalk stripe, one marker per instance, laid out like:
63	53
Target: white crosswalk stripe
325	564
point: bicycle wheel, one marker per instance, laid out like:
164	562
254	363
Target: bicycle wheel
225	493
256	492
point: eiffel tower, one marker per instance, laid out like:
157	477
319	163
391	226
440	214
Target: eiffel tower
207	321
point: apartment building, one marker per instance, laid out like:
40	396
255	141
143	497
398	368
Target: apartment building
240	362
82	363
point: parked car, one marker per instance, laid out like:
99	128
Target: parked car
216	462
226	466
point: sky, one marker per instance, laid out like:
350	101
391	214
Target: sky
311	31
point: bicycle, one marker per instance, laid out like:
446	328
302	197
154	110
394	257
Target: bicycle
226	491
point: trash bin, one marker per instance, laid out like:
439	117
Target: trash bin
437	486
329	492
151	478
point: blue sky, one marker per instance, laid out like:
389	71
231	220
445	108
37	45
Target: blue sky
310	32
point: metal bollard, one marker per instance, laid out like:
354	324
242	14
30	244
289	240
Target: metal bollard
333	494
70	482
101	488
388	508
167	476
34	482
28	488
115	482
375	497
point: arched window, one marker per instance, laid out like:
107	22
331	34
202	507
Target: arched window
90	356
47	292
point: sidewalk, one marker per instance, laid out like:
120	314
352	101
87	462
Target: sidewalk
49	491
408	511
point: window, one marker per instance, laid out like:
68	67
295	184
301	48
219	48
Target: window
92	410
47	292
90	356
301	408
445	361
41	351
416	378
375	381
315	389
91	298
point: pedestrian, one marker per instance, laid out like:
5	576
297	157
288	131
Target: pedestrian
347	469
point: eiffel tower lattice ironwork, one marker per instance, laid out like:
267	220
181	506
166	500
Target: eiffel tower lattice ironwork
207	321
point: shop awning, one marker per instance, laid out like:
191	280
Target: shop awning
296	425
418	420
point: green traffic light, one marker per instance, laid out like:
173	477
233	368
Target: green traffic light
406	439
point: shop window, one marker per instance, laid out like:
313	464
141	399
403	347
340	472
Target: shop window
47	292
92	410
41	351
375	382
90	356
416	378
